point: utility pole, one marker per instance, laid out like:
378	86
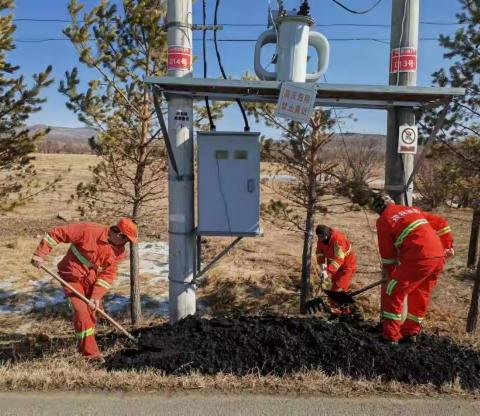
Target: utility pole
180	187
403	71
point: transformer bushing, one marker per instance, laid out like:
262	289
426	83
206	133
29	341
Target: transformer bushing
292	37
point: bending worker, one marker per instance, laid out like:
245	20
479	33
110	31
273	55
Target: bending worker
90	266
413	256
337	262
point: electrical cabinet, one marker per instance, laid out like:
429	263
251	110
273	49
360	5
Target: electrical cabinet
228	183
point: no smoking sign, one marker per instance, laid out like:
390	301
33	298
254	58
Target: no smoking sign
407	139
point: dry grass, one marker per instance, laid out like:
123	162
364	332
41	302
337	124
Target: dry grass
260	275
68	372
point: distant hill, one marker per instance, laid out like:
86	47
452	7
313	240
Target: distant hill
71	135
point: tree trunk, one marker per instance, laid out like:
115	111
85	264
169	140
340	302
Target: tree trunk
474	235
306	262
473	312
135	305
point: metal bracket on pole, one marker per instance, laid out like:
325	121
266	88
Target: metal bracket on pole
428	144
166	137
215	260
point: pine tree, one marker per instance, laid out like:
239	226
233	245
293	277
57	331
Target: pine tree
299	155
463	48
463	120
17	102
121	46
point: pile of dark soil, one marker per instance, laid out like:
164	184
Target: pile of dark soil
281	345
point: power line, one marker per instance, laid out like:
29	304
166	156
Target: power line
219	60
356	11
427	23
378	40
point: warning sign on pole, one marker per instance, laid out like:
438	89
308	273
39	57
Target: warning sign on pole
407	139
179	58
296	102
403	60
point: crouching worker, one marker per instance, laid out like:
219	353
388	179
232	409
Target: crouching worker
90	266
338	263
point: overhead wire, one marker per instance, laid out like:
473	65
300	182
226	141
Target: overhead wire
377	40
204	43
357	11
429	23
219	59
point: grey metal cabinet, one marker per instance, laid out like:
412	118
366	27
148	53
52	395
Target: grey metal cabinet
228	183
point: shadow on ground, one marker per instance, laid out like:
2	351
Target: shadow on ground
280	345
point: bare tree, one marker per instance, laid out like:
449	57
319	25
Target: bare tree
309	176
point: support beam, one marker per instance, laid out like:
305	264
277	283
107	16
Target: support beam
180	186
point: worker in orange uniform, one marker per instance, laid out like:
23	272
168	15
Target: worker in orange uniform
413	257
90	266
337	262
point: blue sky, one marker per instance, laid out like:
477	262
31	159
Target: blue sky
351	62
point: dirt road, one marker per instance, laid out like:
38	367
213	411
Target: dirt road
65	404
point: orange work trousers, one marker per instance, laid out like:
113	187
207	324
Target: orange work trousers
83	320
415	280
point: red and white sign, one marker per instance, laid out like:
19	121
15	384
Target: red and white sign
296	102
179	58
403	60
407	139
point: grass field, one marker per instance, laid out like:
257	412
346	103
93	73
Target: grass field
260	275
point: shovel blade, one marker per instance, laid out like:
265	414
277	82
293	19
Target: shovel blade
341	298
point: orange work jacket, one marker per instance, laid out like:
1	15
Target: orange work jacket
338	253
91	259
405	235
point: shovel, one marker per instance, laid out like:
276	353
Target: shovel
102	313
346	298
342	298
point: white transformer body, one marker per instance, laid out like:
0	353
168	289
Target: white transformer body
228	183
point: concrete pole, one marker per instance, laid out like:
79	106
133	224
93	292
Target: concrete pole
404	34
180	188
398	167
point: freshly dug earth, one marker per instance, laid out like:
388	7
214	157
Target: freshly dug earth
282	345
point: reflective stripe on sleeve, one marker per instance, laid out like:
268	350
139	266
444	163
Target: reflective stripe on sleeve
389	261
80	257
391	284
335	264
393	316
85	334
103	283
444	231
50	241
414	318
409	228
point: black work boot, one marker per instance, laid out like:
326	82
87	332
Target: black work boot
386	341
408	339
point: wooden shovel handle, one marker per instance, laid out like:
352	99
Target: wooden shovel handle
364	289
87	301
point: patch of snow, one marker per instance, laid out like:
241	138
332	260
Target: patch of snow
45	292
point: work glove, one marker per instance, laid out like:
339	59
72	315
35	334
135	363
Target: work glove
37	261
449	252
94	304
